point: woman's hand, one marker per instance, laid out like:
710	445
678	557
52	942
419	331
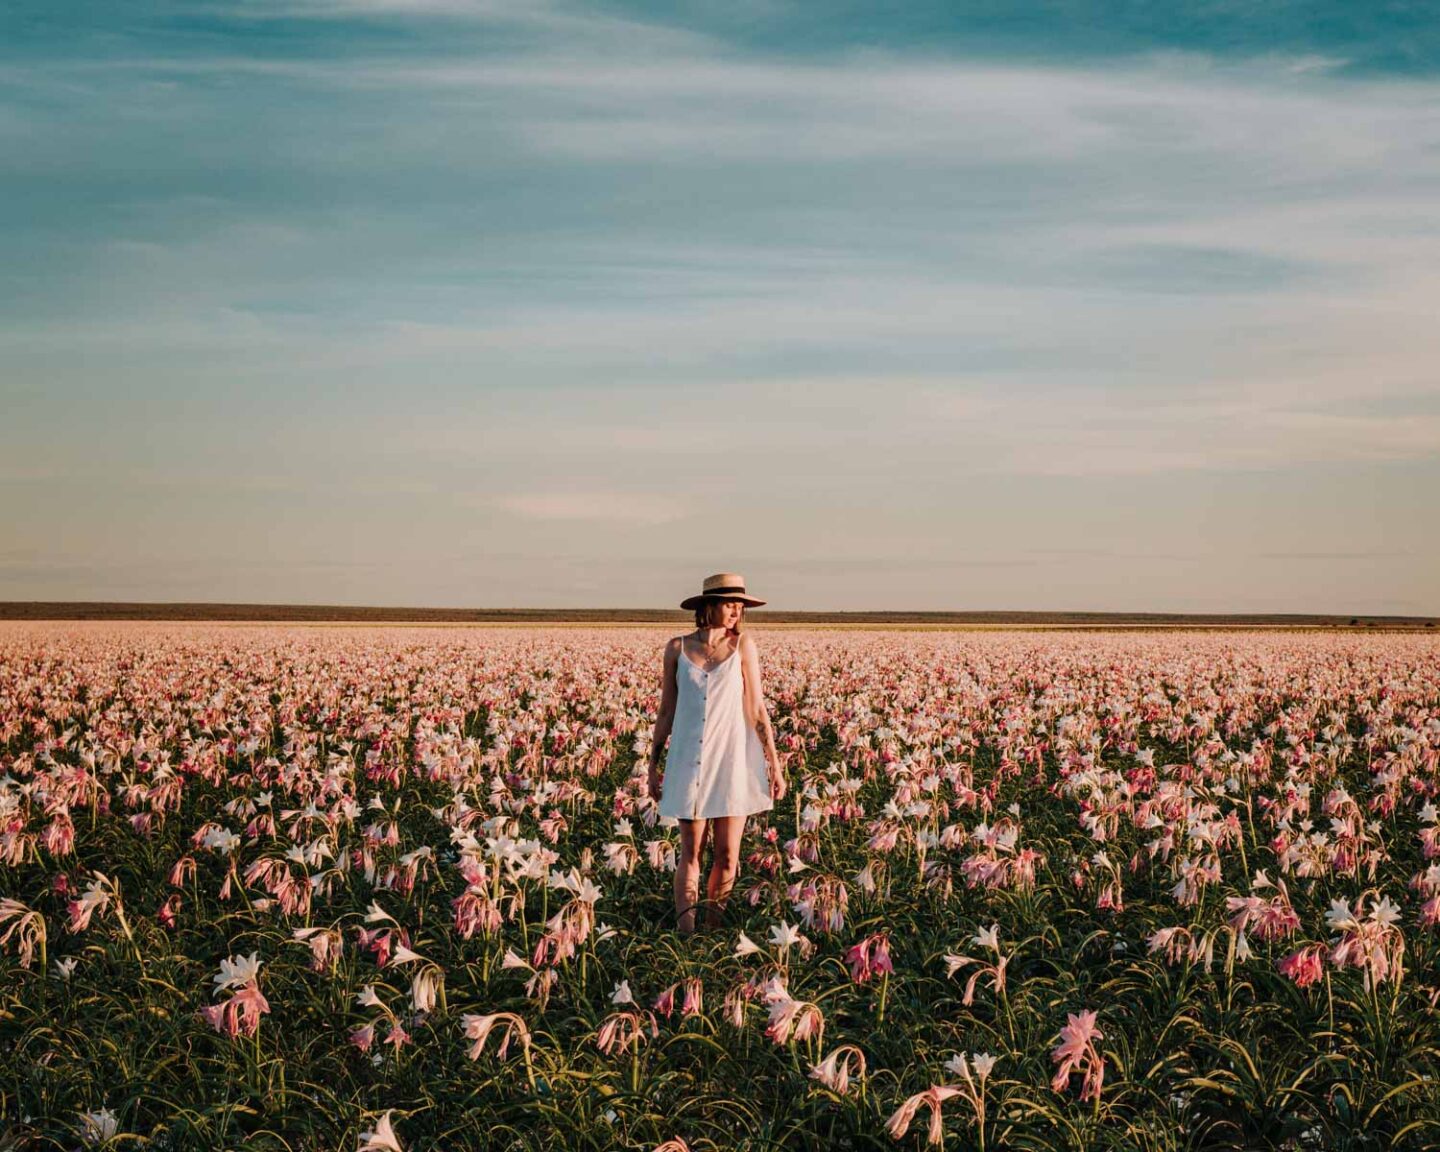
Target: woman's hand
655	782
778	786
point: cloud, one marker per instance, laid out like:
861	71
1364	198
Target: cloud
594	507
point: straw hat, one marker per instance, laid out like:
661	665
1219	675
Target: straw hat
722	586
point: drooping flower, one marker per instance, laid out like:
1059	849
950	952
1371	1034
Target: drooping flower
836	1069
621	1030
478	1028
1373	943
426	986
326	946
1077	1052
26	925
363	1037
871	956
932	1098
791	1018
240	1014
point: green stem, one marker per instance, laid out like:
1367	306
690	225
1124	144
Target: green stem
125	927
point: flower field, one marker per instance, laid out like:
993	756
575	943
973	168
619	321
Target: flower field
378	888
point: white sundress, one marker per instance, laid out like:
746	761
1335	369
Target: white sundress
715	765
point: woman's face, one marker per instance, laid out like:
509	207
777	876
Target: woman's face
726	614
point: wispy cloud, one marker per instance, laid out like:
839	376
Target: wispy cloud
595	507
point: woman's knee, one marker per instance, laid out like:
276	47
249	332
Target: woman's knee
690	855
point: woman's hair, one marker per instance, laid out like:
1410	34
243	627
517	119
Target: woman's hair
705	610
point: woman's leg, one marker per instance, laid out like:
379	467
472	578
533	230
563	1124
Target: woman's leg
727	832
687	873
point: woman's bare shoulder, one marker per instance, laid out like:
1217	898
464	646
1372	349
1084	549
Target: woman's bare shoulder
747	643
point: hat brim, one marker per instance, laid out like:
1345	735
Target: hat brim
690	603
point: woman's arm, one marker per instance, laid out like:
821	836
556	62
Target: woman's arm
756	715
666	719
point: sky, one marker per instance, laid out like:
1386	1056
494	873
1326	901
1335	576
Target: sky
1063	305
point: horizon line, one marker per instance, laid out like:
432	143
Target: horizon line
218	611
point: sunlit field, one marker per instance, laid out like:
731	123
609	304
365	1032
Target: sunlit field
376	888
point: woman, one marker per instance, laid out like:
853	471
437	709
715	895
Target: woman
722	765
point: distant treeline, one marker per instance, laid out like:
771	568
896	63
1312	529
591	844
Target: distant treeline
319	613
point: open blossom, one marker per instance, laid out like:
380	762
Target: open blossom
1076	1052
367	997
932	1098
382	1139
981	1062
397	1037
971	1084
98	1127
784	935
95	898
220	840
404	955
237	970
513	959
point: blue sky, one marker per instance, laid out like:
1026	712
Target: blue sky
1065	306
